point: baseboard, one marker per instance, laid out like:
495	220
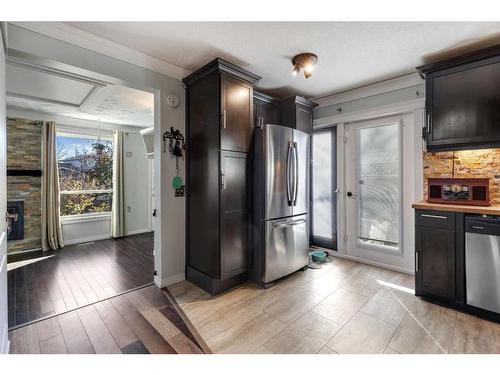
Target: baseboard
138	231
86	239
4	348
369	262
162	283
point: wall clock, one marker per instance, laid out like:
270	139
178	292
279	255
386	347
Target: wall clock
172	100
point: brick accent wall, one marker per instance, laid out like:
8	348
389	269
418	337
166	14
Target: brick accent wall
470	163
24	151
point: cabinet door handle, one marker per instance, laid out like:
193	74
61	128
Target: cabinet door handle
428	123
223	119
434	216
223	181
416	261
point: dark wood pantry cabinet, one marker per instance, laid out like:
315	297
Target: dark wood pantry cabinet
219	114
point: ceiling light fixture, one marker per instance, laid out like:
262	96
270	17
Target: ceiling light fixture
305	61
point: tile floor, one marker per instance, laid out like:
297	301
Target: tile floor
344	307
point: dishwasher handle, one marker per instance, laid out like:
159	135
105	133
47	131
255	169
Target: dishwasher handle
482	225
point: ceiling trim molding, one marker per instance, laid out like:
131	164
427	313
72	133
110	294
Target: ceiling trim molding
370	113
30	62
84	39
408	80
13	112
42	100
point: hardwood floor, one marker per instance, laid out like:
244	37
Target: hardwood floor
344	307
139	322
76	276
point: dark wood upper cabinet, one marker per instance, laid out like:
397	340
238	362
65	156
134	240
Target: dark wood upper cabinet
237	114
435	254
219	128
266	110
297	112
463	101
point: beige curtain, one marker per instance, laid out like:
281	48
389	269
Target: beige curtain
51	225
118	214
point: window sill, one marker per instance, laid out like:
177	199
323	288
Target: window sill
84	218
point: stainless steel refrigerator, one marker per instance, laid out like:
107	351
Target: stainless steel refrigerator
281	203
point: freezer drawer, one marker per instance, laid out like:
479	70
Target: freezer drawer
482	270
287	246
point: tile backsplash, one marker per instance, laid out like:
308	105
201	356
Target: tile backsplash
469	163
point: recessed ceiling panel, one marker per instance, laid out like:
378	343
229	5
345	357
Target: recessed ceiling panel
121	104
36	84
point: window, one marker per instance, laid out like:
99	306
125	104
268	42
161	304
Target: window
379	185
85	173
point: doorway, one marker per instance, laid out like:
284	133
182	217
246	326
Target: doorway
324	188
375	182
101	157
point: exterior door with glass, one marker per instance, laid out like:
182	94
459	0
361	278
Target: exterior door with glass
373	191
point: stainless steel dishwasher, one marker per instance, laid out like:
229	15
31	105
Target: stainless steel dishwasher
482	262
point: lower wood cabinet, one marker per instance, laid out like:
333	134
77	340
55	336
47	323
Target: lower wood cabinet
435	255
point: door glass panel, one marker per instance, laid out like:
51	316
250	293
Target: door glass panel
379	185
324	232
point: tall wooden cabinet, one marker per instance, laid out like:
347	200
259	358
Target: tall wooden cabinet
220	122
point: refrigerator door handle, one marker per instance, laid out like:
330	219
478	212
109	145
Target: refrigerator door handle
290	223
287	174
295	173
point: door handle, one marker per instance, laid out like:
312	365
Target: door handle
287	174
350	195
290	223
295	173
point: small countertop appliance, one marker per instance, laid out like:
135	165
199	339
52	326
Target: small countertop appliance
469	191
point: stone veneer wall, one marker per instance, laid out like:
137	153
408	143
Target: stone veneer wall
24	151
470	163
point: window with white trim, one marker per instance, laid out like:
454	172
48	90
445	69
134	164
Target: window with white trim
85	164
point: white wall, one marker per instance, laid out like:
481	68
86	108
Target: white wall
170	219
80	230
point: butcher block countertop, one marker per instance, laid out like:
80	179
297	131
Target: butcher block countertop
494	209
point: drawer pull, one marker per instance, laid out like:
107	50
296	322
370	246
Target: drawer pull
477	227
434	216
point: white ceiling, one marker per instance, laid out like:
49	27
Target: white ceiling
40	91
351	54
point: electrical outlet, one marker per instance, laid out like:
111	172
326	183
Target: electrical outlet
128	154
